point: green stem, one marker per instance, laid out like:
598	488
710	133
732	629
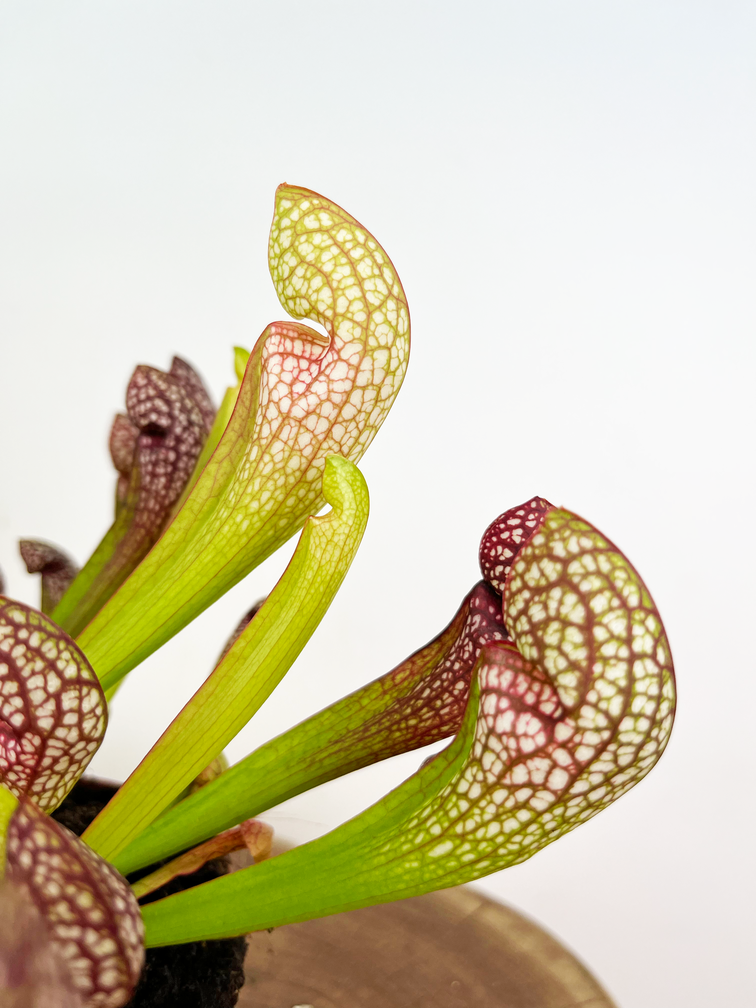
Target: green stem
353	732
250	670
99	578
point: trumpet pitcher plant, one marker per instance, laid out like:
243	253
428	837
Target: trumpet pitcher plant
553	681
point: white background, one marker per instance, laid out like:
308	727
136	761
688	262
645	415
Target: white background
566	189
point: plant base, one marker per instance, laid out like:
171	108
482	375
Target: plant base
196	975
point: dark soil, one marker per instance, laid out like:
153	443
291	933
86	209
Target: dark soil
206	974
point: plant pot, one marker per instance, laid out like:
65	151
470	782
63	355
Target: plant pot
450	949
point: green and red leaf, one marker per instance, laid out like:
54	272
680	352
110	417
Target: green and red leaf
32	974
249	670
154	450
187	378
304	396
93	922
505	537
56	568
419	702
122	444
52	708
561	721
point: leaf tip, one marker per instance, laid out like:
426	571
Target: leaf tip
241	356
506	536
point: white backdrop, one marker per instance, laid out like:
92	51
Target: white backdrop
566	189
